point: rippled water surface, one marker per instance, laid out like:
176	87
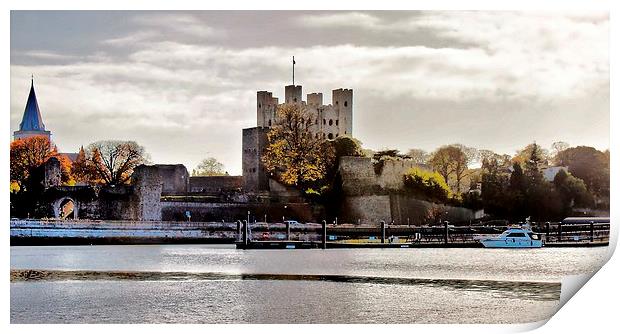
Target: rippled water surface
220	284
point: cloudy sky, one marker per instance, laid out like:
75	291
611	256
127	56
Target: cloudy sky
183	84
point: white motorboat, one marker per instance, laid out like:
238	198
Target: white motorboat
514	237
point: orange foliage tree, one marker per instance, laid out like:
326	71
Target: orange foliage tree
108	162
28	154
295	155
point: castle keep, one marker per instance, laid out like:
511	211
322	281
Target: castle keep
330	121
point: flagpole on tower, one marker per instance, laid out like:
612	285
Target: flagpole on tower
293	70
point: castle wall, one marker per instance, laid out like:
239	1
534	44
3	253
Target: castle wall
199	211
391	176
358	176
366	209
148	189
52	173
174	178
211	184
403	207
254	142
371	197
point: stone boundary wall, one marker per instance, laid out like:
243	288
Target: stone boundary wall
371	197
89	229
359	177
391	176
403	207
366	209
175	211
215	184
371	209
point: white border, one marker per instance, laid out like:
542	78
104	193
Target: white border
593	308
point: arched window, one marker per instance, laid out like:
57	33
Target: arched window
269	122
331	122
330	136
336	122
324	121
294	99
345	103
259	105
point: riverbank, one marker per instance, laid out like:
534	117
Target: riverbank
283	236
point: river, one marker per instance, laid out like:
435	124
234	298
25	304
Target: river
220	284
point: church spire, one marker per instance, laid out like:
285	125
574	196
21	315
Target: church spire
32	121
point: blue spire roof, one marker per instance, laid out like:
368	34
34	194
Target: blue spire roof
32	120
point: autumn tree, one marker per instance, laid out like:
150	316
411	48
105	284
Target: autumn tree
111	162
294	155
590	165
427	184
66	176
28	154
79	167
534	162
449	161
525	154
495	180
558	147
572	191
418	156
347	146
209	167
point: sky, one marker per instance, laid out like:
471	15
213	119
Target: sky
183	83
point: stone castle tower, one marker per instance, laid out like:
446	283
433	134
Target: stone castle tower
331	121
32	122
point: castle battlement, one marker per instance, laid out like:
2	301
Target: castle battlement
331	120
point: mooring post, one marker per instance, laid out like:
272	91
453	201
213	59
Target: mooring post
245	233
382	231
445	232
288	230
324	229
560	232
238	230
591	231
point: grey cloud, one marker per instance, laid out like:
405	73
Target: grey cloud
421	79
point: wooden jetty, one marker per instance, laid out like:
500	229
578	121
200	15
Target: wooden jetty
560	234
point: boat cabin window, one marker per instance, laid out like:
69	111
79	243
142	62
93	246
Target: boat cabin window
533	236
516	235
